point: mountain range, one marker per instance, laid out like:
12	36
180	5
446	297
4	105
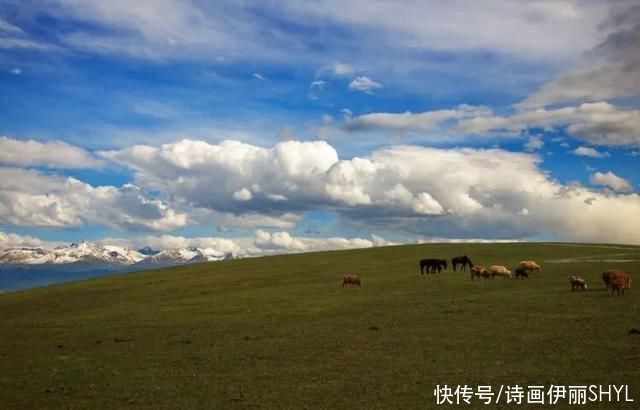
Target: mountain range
93	254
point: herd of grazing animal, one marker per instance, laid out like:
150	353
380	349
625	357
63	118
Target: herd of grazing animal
615	280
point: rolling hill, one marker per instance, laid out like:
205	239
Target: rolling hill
281	332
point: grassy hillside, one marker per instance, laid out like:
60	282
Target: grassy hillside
281	332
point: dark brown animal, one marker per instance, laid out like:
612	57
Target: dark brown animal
432	265
352	279
521	273
461	260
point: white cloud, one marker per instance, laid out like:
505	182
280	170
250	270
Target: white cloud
597	123
462	192
242	195
259	76
534	144
413	122
589	152
53	154
364	84
263	243
29	198
8	240
615	71
15	71
559	29
611	180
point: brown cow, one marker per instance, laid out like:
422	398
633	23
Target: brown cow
617	281
577	283
351	278
480	272
609	275
529	266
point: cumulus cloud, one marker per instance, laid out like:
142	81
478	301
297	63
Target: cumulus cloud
284	242
612	181
616	70
262	243
424	191
30	198
52	154
589	152
9	240
364	84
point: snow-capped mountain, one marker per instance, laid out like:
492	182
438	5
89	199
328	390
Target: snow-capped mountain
92	253
76	252
185	255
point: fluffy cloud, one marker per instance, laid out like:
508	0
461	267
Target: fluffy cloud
589	152
616	72
52	154
364	84
612	181
29	198
263	243
284	242
8	240
423	191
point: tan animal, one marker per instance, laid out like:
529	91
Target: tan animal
351	278
529	266
479	272
498	270
577	283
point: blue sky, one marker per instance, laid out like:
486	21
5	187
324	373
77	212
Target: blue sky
400	122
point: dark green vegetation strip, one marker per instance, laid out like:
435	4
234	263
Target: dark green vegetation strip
281	332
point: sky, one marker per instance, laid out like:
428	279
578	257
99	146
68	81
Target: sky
278	125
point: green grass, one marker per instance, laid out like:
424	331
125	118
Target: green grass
281	332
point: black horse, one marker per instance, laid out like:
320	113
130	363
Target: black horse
432	265
461	260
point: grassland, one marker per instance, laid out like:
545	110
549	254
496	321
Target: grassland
281	332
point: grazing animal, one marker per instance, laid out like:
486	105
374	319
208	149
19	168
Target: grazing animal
461	260
432	265
521	273
616	280
577	282
480	272
498	270
529	266
351	278
610	274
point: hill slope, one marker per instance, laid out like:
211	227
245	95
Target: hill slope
282	332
